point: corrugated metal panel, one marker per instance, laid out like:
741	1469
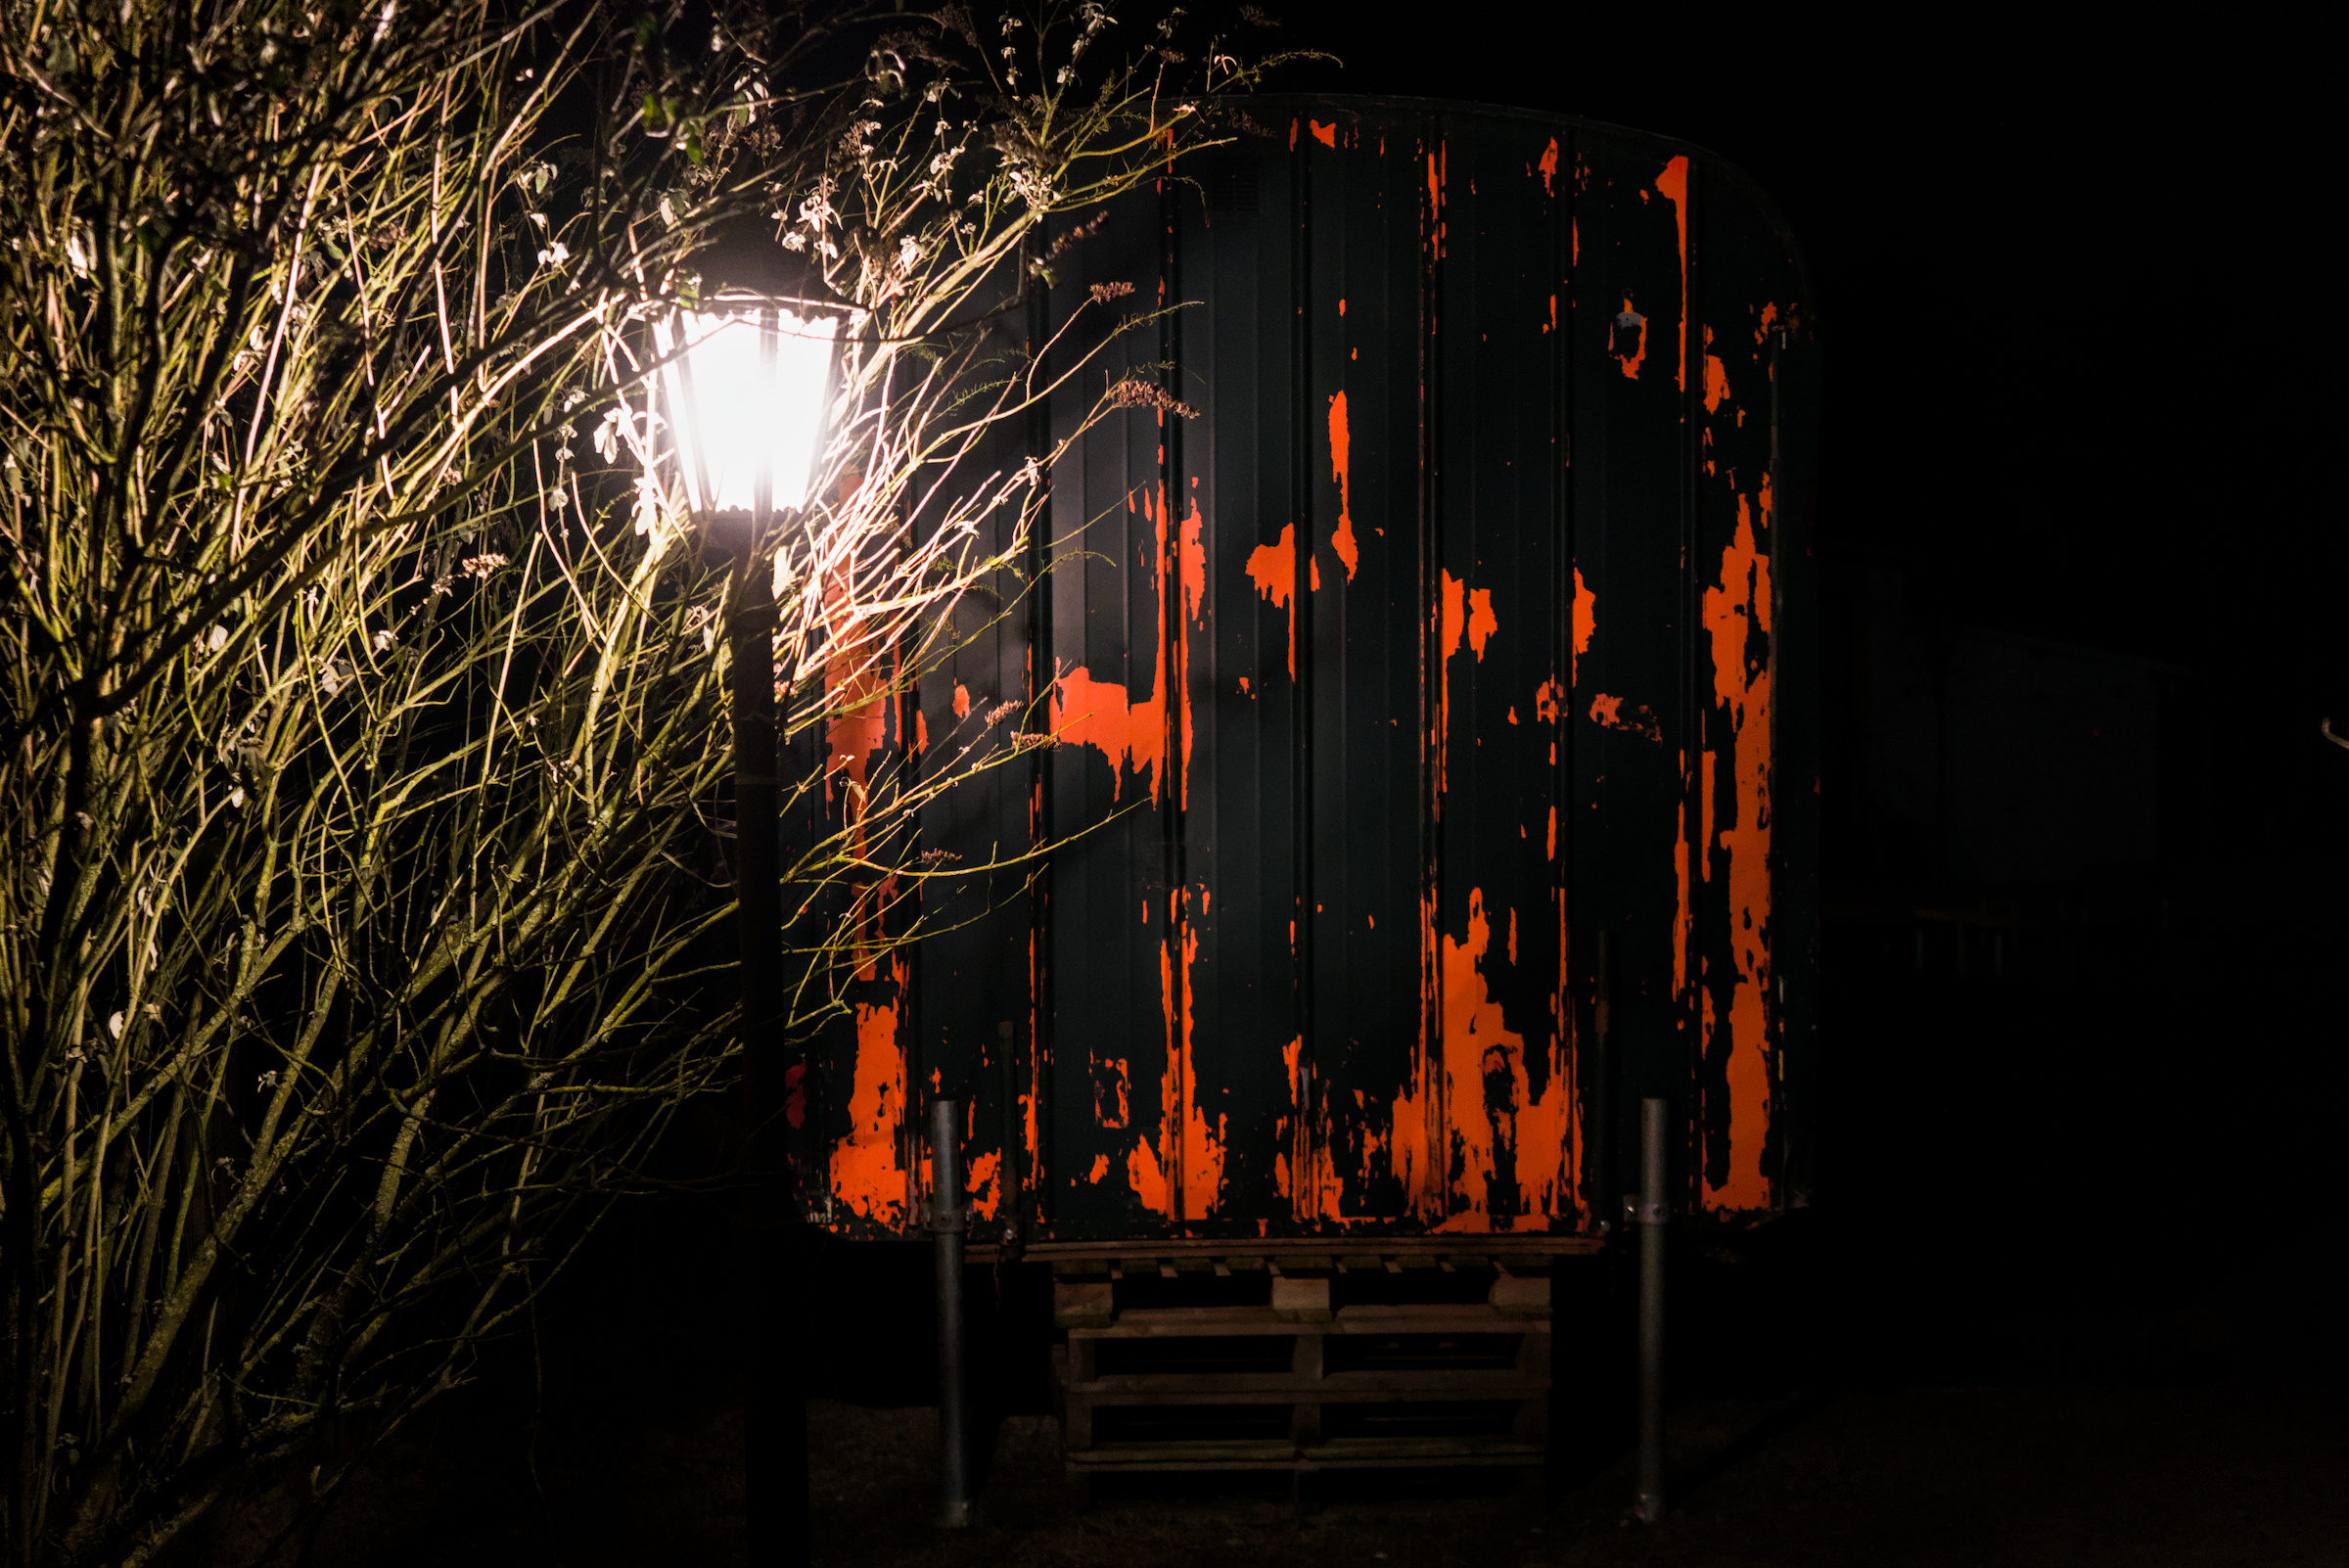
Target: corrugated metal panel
1456	630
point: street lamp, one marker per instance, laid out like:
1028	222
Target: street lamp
748	385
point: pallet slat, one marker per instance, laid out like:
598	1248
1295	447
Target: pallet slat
1284	1388
1344	1453
1204	1323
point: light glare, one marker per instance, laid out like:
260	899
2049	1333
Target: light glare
743	414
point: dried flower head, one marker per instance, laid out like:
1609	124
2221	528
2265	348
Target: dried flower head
1135	392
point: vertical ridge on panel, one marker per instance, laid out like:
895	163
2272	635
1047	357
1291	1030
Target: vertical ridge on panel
1794	370
1626	710
1108	711
1236	961
852	1094
1356	568
1745	292
974	1008
1504	1047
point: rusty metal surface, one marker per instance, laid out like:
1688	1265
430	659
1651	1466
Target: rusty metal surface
1468	618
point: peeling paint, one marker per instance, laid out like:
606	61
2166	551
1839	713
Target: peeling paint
1681	920
1585	620
1491	1111
983	1184
868	1173
1609	713
1102	713
1180	1173
1628	320
1456	1138
1340	447
1462	613
1674	183
1436	224
1273	570
1110	1103
1465	611
1737	619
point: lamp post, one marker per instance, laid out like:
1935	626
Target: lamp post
748	385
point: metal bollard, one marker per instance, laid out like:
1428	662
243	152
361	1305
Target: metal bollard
1653	1214
948	1220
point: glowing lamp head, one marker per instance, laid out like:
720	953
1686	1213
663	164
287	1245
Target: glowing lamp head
749	394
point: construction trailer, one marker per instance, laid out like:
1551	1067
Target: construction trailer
1431	780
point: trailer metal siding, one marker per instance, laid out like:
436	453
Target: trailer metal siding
1455	629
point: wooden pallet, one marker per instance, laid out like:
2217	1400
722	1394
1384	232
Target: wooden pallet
1300	1385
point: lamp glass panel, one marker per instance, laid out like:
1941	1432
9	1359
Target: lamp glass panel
741	414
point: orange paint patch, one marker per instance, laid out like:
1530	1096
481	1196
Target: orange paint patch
1273	566
1464	612
1482	623
1679	909
962	701
1639	355
855	736
1609	713
1135	735
983	1184
1674	183
1736	617
1436	169
1273	570
1101	713
1341	448
1487	1093
1180	1174
868	1173
1549	168
1326	135
1586	619
1110	1107
1716	378
1549	702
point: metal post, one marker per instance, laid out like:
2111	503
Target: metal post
1653	1214
948	1220
775	1409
